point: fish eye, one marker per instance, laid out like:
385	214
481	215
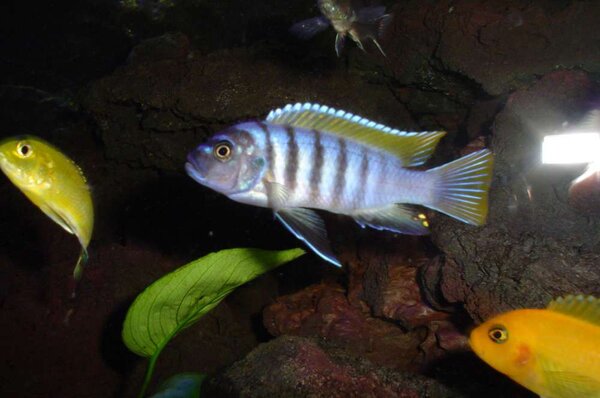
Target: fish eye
498	334
223	151
24	150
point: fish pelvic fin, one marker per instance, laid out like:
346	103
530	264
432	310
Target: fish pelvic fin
399	218
372	23
340	40
309	227
379	47
582	307
461	189
412	148
81	261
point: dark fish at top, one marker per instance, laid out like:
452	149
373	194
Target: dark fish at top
307	156
360	23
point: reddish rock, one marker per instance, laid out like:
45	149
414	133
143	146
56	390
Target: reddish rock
443	337
393	292
499	45
299	367
324	311
584	192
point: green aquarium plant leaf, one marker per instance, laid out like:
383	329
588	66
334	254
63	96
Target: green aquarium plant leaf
180	298
183	385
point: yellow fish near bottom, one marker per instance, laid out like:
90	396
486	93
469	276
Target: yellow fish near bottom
54	183
554	352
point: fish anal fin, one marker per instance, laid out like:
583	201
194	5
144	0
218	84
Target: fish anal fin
412	148
397	218
586	308
309	227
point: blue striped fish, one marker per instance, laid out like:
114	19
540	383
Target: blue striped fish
307	156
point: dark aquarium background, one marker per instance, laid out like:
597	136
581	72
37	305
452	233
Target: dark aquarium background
128	88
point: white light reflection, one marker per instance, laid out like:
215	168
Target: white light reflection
591	170
571	148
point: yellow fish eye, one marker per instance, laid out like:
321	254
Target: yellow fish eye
223	151
498	334
24	150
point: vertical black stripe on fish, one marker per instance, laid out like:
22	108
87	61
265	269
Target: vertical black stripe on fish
291	166
269	174
340	173
316	171
364	175
269	147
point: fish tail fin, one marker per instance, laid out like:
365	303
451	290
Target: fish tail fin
461	187
370	15
81	261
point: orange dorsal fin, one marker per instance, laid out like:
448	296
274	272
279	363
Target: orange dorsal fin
583	307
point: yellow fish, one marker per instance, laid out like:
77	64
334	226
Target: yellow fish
54	183
554	352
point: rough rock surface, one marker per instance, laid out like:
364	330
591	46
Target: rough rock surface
500	45
482	70
535	246
323	311
299	367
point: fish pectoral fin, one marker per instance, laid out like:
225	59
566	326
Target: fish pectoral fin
359	43
58	218
340	40
277	194
569	384
309	227
404	219
379	47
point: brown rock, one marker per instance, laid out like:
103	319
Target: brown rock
299	367
534	246
324	311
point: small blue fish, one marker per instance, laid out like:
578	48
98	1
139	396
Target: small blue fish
306	156
360	23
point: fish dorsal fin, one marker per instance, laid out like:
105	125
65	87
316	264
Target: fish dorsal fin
413	148
586	308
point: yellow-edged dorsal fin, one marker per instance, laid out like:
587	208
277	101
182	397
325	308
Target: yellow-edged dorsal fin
582	307
413	148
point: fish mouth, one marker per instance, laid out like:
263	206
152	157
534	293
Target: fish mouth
193	172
